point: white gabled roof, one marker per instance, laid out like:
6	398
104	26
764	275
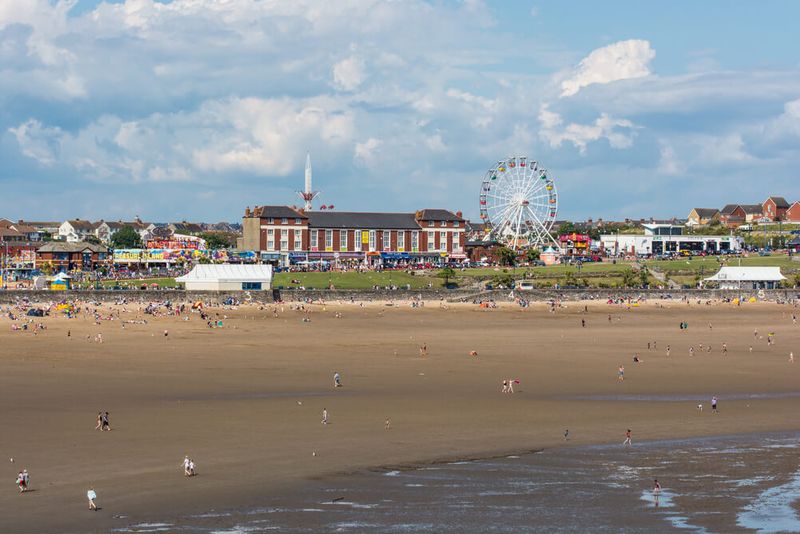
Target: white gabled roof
748	274
228	273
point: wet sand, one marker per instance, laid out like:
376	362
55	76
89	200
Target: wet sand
230	397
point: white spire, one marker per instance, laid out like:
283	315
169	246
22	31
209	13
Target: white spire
308	194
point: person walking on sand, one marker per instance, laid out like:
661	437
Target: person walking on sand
714	405
91	495
191	468
656	488
791	357
511	385
505	387
106	425
423	350
621	373
21	484
324	416
99	421
186	463
691	351
628	442
724	348
667	351
337	380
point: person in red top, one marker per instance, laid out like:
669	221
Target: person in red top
627	441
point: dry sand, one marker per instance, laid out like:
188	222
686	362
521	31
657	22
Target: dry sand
231	397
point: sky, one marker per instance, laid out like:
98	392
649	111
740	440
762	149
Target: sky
195	109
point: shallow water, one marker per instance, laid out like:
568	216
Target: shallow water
729	484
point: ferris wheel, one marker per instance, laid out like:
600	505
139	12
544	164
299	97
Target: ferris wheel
519	203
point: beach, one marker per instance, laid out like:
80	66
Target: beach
245	399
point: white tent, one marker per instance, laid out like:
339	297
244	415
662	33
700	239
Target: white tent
227	277
747	277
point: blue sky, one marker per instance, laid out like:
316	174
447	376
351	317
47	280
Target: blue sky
197	108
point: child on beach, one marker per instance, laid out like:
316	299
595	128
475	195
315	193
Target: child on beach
324	416
91	495
337	380
99	421
621	373
628	442
714	405
22	481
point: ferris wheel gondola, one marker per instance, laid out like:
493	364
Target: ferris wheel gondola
519	203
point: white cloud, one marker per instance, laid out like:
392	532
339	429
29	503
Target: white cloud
580	135
349	73
37	141
365	152
618	61
668	162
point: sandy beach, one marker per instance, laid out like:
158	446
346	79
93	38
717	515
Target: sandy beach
245	400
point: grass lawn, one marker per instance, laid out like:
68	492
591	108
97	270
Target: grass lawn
356	280
133	282
710	265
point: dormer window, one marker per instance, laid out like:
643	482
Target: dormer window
284	220
443	224
271	220
297	221
431	223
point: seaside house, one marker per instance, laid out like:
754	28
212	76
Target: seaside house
702	216
774	208
793	213
76	230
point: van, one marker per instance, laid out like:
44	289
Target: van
525	285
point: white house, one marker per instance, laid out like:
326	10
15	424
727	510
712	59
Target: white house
747	277
228	277
76	230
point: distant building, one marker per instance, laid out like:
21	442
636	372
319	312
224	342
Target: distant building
666	239
76	230
793	213
774	208
67	256
702	216
747	277
288	235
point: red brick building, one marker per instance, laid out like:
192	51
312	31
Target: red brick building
774	208
65	257
286	235
793	213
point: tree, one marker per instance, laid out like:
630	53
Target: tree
628	278
93	239
447	273
216	240
47	268
566	228
643	276
126	237
532	254
506	256
569	279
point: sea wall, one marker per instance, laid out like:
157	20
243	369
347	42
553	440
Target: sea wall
456	295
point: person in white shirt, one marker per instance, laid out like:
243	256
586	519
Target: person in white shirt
186	463
91	495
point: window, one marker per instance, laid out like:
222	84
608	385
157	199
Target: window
284	220
431	223
251	285
372	239
387	240
401	241
314	241
328	239
284	239
270	239
455	224
357	240
414	241
271	220
297	221
342	239
298	239
431	241
443	224
442	240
